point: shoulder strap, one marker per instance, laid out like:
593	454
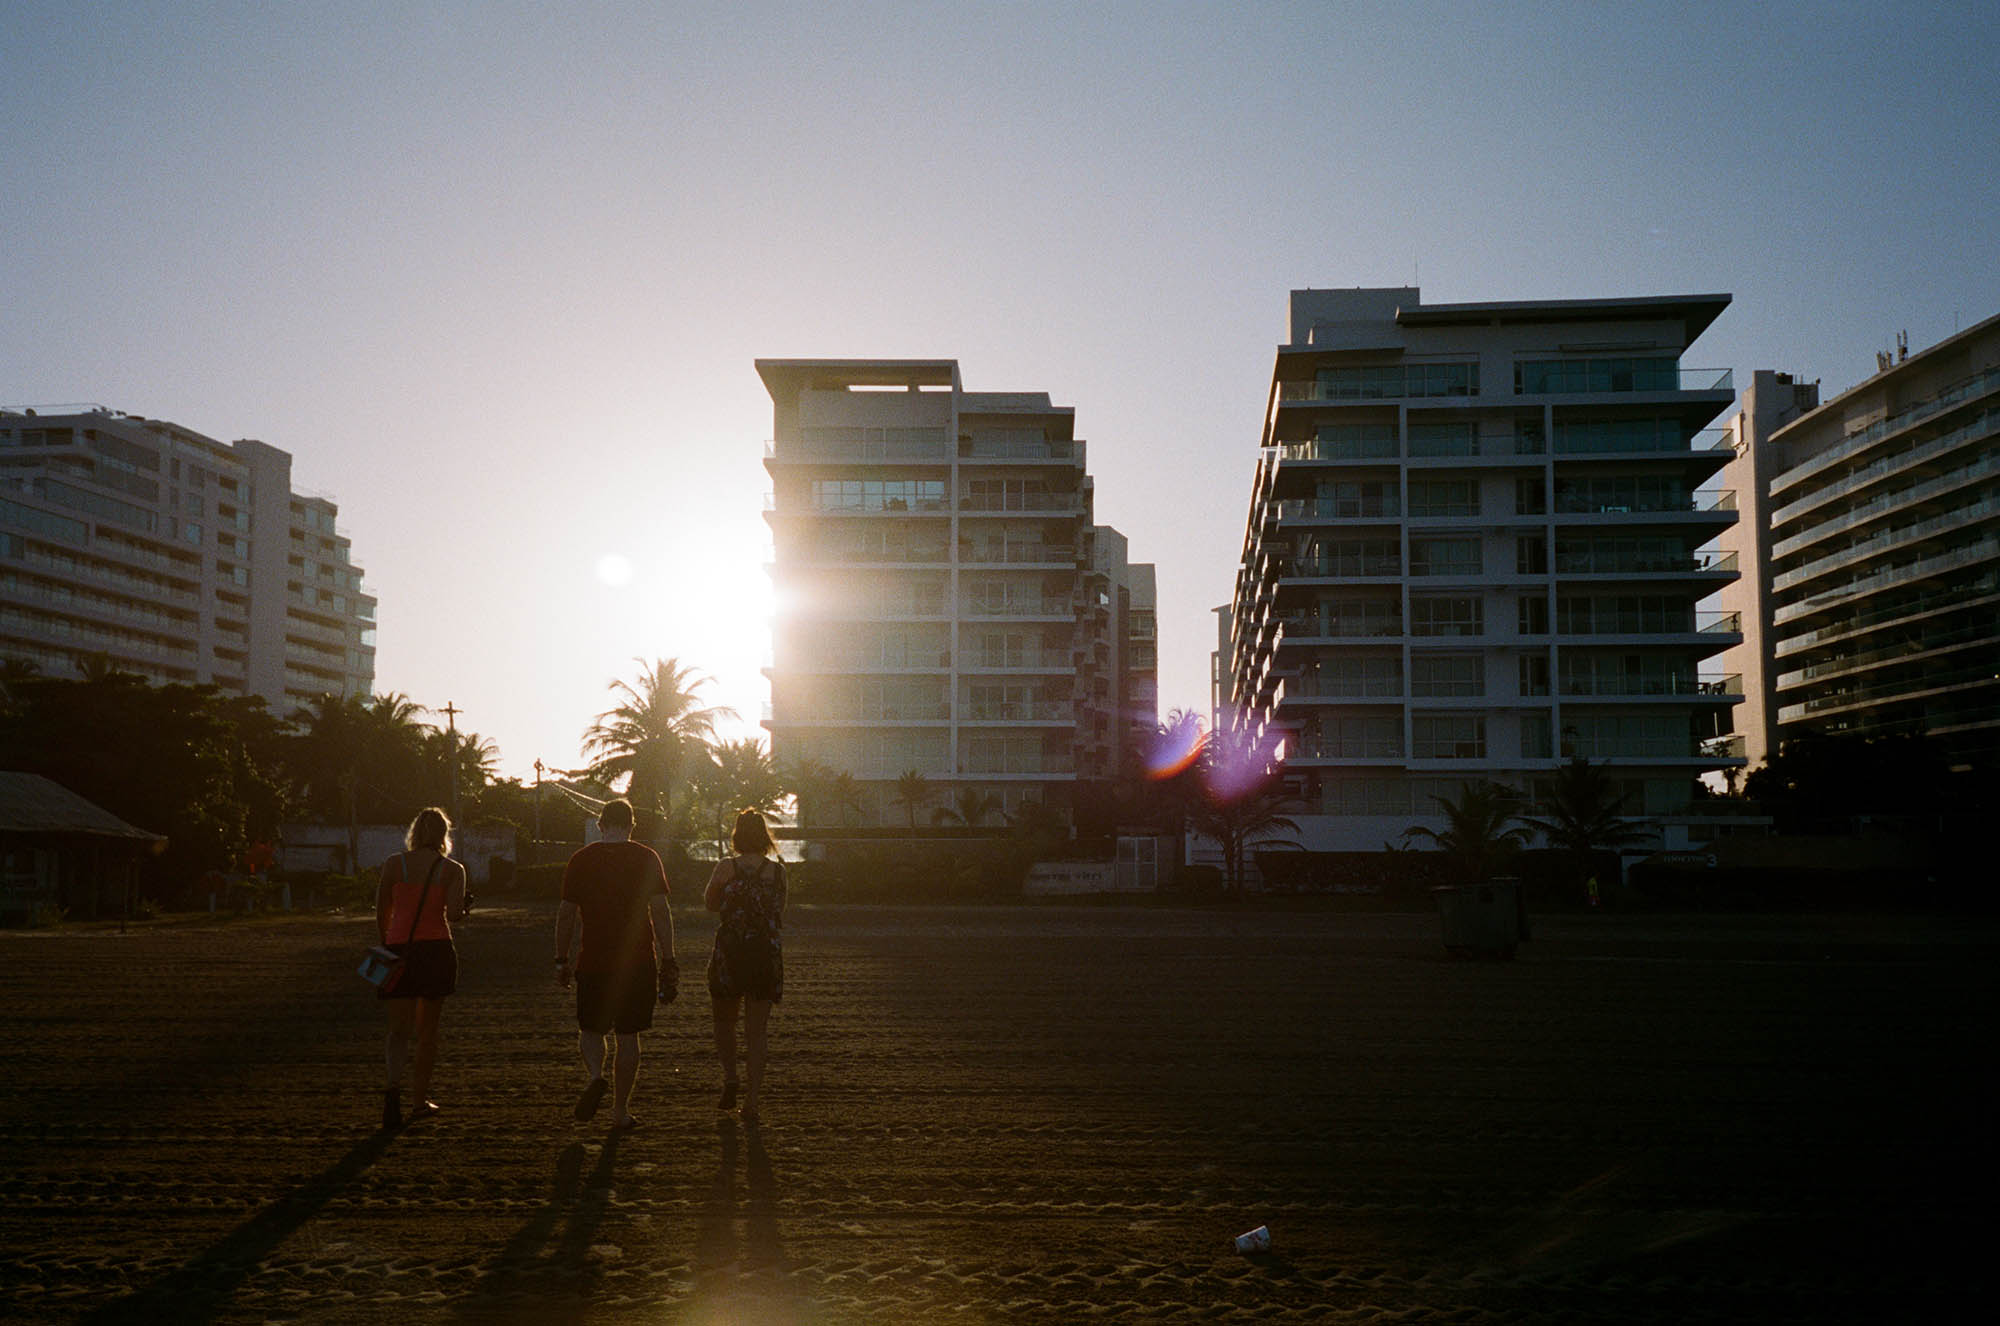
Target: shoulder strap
417	917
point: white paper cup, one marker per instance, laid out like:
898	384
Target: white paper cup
1257	1240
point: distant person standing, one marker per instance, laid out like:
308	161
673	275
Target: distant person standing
421	892
746	968
616	890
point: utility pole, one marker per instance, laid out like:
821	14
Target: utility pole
538	808
451	713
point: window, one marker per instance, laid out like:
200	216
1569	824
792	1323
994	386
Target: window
1447	737
1361	617
1357	677
1437	615
1541	377
1367	796
1355	442
1387	381
1533	617
1351	557
1458	438
1620	493
1530	497
1447	674
1531	555
1623	614
1534	674
1361	738
1574	436
1536	741
1444	557
1359	498
1444	497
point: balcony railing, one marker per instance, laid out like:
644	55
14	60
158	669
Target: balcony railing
1584	684
1042	607
1985	550
1877	470
1916	495
1902	536
1345	566
1018	553
1024	711
1577	504
1334	508
1979	384
1574	563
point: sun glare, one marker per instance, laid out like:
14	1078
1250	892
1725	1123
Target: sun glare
614	570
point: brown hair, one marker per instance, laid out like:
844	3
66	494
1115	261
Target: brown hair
615	815
751	834
431	828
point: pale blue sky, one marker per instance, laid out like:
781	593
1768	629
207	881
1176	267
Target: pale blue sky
495	274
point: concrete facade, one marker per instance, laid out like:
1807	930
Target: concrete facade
176	557
1884	555
945	603
1475	545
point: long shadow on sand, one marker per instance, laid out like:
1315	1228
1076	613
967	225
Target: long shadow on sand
205	1286
715	1242
523	1273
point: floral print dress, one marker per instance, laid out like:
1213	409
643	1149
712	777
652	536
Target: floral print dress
749	956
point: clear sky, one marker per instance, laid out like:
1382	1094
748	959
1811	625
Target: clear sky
496	273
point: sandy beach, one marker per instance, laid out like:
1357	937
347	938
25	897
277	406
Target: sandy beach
1022	1114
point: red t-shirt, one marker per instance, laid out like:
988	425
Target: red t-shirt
611	885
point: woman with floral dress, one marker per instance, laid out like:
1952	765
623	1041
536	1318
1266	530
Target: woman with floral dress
746	968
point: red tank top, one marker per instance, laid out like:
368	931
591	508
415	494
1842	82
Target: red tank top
434	923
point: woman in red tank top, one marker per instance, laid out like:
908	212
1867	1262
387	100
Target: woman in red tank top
421	893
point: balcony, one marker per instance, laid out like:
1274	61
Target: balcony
1884	541
1344	568
1916	495
1025	711
1050	606
1987	549
1979	384
988	449
1320	510
1615	376
1910	649
1930	680
1877	470
1717	690
1585	563
1575	504
1022	554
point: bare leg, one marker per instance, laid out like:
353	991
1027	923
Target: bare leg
725	1045
428	1013
756	1037
590	1045
402	1020
624	1072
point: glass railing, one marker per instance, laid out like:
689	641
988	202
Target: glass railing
1032	711
1346	566
1630	687
1877	470
1985	550
1914	495
1904	650
1025	553
1338	508
1578	504
1053	504
1047	607
1573	563
1901	536
1977	385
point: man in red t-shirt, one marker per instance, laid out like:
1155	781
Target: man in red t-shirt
616	890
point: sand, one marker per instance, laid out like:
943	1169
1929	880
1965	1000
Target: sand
1022	1114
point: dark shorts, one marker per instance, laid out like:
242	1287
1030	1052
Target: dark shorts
430	970
620	1001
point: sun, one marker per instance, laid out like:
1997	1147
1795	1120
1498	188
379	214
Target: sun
614	570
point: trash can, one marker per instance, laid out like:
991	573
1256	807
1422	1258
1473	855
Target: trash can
1481	920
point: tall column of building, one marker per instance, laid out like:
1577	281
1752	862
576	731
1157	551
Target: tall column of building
1884	547
940	602
1475	546
172	555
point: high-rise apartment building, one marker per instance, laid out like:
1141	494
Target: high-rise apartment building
1771	401
174	556
1475	545
945	604
1884	550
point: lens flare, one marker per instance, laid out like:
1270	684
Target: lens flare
1173	752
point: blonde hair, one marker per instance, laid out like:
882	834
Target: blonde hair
431	828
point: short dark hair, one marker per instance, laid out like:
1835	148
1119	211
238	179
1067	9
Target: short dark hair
751	834
615	815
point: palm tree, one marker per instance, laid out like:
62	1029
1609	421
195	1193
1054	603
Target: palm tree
969	807
653	734
1584	814
1235	797
843	791
354	751
808	781
1477	838
913	789
738	776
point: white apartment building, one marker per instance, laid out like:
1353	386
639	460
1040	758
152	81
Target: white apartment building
1884	555
1475	546
172	555
944	603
